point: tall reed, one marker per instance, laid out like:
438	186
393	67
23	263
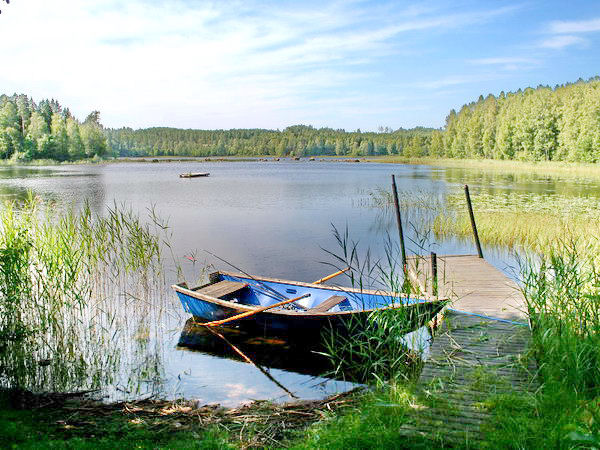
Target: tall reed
374	348
562	291
73	287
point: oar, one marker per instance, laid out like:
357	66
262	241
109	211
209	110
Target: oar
249	361
333	275
251	313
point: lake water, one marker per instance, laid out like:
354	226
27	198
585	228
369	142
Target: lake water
266	218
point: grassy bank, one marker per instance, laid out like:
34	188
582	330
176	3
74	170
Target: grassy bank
558	168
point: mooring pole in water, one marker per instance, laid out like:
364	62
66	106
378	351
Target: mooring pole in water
479	252
399	220
434	274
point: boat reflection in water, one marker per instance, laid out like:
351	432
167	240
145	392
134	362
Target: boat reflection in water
271	352
277	358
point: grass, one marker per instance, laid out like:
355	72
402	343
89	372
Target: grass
374	349
66	428
555	168
525	222
563	298
80	423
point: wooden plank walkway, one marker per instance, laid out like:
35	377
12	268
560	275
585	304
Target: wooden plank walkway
471	357
473	284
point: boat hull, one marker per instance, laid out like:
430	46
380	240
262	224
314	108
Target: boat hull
302	322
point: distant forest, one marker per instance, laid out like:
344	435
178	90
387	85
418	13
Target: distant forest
543	123
298	140
47	131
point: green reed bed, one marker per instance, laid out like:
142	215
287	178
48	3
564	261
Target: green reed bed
523	221
374	349
75	288
553	168
562	291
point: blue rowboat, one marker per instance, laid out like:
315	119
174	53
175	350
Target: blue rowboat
229	294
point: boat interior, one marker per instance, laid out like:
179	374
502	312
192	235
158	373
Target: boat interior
257	292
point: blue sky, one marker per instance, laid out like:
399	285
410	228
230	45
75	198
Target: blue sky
271	64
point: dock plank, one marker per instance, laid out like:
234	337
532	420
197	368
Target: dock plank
473	284
471	357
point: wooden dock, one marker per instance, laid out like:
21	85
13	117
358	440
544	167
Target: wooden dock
474	285
472	357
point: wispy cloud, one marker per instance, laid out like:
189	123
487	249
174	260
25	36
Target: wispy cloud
229	64
508	63
562	41
576	26
567	33
447	82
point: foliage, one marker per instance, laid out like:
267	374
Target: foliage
563	298
541	124
527	221
47	131
296	140
374	348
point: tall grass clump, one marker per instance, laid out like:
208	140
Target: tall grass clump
562	292
375	348
73	287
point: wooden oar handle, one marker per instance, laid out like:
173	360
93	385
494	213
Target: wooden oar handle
256	311
329	277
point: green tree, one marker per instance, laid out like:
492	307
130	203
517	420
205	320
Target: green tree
93	136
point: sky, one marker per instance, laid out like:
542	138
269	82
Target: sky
271	64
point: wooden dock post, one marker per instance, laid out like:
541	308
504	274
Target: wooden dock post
399	220
470	206
434	275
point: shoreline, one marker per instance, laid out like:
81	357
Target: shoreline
550	168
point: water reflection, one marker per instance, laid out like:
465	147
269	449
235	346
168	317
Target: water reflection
258	368
262	351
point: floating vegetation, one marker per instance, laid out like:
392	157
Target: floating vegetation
74	288
517	220
522	220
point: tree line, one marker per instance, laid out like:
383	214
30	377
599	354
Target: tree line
543	123
560	123
46	130
297	140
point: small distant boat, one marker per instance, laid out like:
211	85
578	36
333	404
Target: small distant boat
193	174
318	306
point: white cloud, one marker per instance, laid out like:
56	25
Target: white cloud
447	81
501	61
507	63
577	26
562	41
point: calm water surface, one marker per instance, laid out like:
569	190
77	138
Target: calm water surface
267	218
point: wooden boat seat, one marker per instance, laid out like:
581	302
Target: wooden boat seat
328	303
222	288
